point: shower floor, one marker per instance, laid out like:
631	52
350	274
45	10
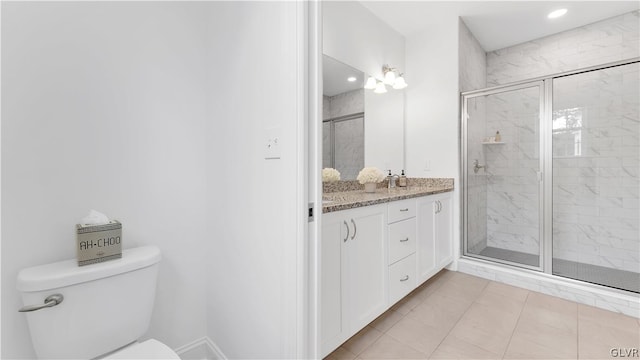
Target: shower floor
619	279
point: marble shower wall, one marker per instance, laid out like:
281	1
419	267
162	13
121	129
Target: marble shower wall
349	135
513	192
596	168
473	67
617	38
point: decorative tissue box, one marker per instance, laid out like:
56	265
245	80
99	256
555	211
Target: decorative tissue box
98	243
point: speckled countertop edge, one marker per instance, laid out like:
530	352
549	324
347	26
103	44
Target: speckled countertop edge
353	199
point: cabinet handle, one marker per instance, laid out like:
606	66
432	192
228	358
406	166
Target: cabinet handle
404	240
405	278
405	209
439	207
347	225
355	230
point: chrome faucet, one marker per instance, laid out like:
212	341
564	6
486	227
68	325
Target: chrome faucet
391	180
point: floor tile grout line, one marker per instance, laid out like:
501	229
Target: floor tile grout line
460	318
524	303
385	332
405	315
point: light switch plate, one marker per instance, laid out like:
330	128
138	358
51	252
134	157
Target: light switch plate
272	143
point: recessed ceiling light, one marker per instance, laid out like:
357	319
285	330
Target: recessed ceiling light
557	13
351	79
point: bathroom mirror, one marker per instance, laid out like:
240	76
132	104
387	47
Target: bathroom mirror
360	128
342	118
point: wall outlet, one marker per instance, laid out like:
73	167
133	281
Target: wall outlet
427	165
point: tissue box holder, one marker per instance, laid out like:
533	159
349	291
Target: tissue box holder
98	243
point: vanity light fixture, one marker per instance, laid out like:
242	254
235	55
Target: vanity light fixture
557	13
371	83
380	88
391	77
399	83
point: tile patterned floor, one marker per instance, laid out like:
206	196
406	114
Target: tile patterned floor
459	316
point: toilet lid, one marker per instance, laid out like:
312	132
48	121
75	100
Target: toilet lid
150	349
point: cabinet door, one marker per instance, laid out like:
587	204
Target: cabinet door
425	246
444	245
366	265
332	329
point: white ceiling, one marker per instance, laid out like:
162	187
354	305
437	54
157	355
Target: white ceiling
335	74
497	24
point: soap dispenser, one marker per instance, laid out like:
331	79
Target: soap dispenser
498	136
402	180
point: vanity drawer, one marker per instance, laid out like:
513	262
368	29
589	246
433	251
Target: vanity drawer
400	210
402	278
402	239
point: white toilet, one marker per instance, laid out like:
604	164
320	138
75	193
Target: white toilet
105	307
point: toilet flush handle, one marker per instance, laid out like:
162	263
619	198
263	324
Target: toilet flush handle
50	301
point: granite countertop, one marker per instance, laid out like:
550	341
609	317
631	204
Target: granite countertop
343	200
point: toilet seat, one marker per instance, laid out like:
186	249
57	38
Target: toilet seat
150	349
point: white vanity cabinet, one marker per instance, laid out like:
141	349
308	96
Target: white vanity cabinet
434	243
353	272
373	256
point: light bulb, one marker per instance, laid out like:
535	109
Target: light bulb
380	88
389	77
557	13
351	79
371	83
399	83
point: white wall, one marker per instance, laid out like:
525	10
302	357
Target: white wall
156	113
355	36
252	214
104	107
432	106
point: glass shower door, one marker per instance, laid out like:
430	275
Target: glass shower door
502	175
596	162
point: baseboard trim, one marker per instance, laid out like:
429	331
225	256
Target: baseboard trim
200	349
569	289
214	351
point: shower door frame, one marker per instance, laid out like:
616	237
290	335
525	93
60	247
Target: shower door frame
464	163
545	174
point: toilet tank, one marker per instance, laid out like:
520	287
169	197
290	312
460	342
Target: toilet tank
106	305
